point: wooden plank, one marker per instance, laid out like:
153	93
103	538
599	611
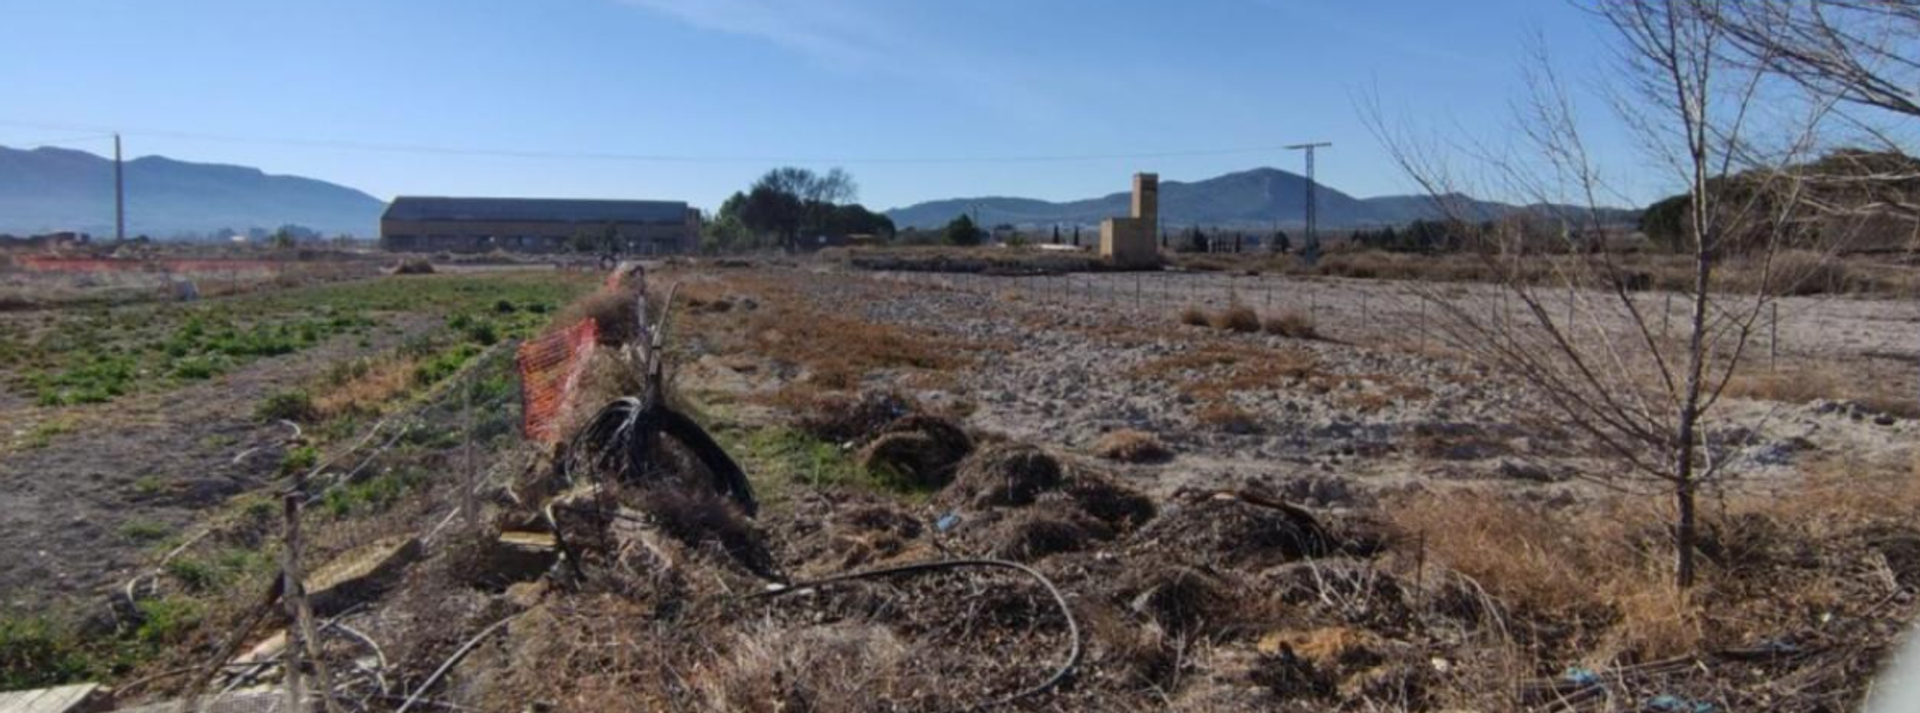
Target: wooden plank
74	698
255	700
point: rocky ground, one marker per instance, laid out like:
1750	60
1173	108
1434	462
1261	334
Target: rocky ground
1367	406
1178	518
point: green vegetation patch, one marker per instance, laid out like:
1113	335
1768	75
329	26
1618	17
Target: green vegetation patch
97	355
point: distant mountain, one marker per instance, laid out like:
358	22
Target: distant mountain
51	189
1254	198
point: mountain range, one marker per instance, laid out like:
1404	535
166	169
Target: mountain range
53	189
1260	197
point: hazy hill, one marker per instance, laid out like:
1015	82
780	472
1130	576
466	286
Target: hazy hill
1254	198
49	189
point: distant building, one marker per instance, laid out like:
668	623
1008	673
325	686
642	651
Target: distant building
1130	242
538	225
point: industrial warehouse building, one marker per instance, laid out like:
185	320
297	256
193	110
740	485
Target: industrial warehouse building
538	225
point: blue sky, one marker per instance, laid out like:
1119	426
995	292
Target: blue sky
918	99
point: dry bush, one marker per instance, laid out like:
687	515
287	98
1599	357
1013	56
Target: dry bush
1236	318
841	667
1132	446
1006	474
843	418
1557	564
1529	556
366	388
1224	415
614	311
1292	324
1193	316
607	375
1034	533
702	519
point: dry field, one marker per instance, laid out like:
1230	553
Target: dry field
1292	498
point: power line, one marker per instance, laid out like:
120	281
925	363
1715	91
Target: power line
422	149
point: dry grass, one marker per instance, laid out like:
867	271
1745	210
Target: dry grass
1807	384
1557	564
1214	370
836	348
1132	446
1194	316
614	310
1292	324
1236	318
378	383
1225	416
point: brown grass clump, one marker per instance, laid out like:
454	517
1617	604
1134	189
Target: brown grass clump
614	311
1108	502
1236	318
702	519
1007	474
819	668
1193	316
1292	324
1211	372
1225	416
843	418
1184	601
1034	533
1229	530
1132	446
1809	384
919	450
365	387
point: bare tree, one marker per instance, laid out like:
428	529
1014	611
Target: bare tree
1573	318
1860	51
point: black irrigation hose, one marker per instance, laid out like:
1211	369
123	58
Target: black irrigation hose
1073	627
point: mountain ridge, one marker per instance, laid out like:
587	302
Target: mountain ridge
53	189
1251	198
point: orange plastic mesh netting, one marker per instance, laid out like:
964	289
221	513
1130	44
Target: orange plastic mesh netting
550	367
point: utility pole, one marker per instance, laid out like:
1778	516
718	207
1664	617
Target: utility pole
119	195
1311	249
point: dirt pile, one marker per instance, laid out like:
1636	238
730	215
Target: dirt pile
1237	530
918	450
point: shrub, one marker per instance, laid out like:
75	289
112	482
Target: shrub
1131	446
291	405
1293	324
144	530
298	459
1192	315
37	651
1236	317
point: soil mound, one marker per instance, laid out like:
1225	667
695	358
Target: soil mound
1006	475
1238	531
1034	533
920	450
843	418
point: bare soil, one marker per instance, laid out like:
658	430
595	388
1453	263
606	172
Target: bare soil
80	513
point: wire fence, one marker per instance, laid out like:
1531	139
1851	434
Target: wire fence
1787	330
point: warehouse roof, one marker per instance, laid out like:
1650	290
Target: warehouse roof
535	210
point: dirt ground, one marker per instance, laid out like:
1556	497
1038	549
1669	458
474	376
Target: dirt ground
86	509
1230	520
1367	407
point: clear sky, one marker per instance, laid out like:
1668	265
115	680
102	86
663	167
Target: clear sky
918	99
